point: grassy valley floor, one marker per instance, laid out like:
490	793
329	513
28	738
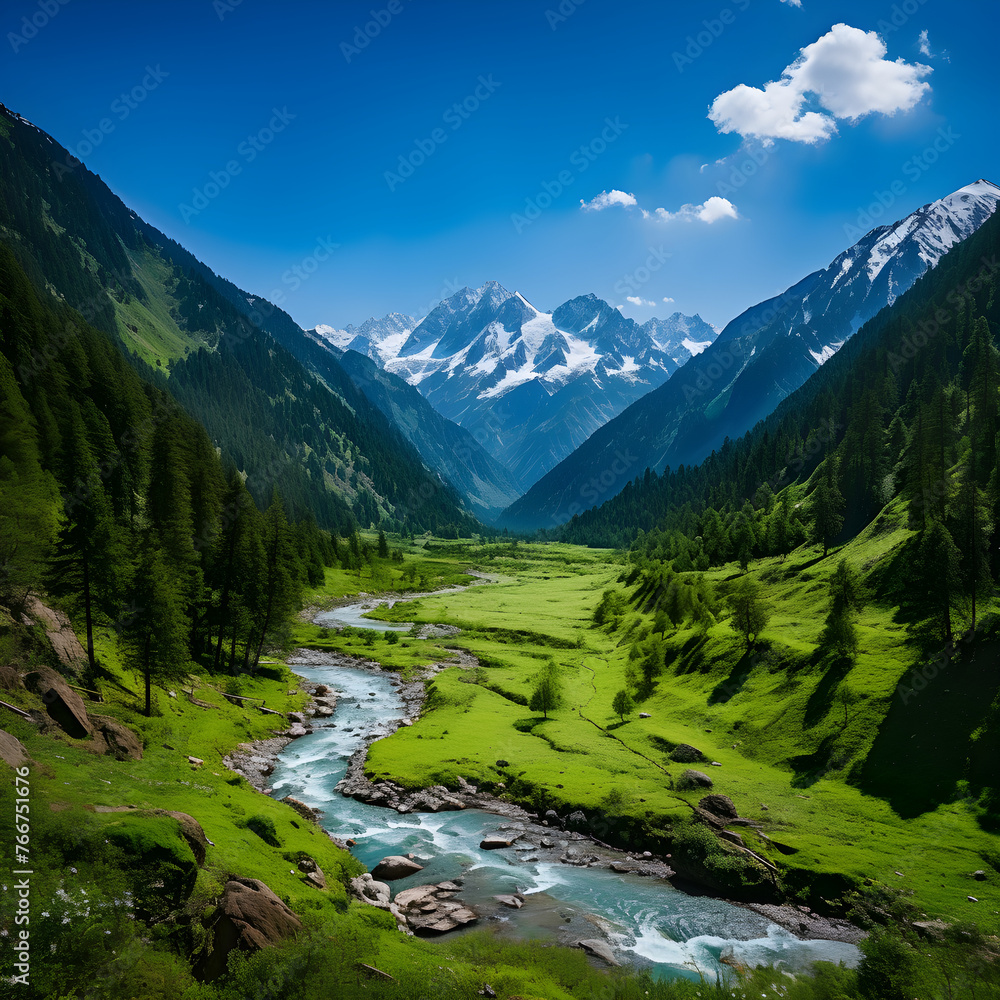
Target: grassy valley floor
795	758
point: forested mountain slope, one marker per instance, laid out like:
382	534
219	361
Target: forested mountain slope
759	358
303	424
893	408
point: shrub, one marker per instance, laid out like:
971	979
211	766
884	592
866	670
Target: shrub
263	826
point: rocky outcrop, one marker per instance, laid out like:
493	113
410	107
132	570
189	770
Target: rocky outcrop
249	917
60	634
313	873
366	889
114	739
190	829
684	753
719	805
12	752
395	867
305	811
430	909
64	706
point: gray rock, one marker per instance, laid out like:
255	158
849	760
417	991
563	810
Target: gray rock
684	753
598	948
367	890
512	901
694	779
719	805
12	751
394	867
497	842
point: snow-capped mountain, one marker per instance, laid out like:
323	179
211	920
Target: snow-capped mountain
759	358
530	385
378	339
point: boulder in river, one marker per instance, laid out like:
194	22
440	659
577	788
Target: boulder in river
429	909
497	841
598	948
395	866
514	902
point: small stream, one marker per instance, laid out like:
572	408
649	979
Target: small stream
646	921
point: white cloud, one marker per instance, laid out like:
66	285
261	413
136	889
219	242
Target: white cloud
847	73
608	198
925	44
637	301
710	211
667	299
794	3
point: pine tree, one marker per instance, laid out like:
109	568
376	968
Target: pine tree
779	527
827	506
153	639
281	577
87	557
937	578
29	497
846	599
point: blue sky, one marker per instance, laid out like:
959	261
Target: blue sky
454	142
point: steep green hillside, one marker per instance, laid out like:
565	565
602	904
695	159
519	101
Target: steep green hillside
304	424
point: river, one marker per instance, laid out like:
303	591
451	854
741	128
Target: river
646	921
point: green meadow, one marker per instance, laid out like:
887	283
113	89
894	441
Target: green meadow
801	747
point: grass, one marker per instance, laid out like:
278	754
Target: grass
788	755
791	756
71	782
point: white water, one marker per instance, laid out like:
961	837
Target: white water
645	920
